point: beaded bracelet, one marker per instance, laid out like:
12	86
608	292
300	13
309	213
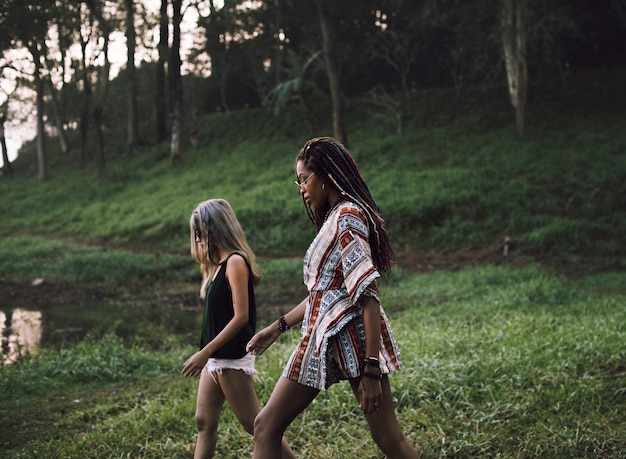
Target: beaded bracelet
282	324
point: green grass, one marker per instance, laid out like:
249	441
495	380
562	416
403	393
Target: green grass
498	363
59	260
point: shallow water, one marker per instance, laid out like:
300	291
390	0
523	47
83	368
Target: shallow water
25	330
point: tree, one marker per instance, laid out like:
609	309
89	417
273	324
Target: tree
217	46
328	51
467	53
529	29
7	168
83	69
176	85
99	96
240	43
42	152
161	87
26	24
131	78
60	77
5	44
514	20
398	42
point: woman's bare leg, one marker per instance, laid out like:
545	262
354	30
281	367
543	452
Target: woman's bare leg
240	394
384	426
287	401
208	408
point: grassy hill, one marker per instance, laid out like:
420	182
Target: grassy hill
457	181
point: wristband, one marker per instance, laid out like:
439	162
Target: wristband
371	362
282	324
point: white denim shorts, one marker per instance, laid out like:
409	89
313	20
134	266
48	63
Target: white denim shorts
245	364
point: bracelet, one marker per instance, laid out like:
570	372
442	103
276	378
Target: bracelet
282	324
371	361
371	376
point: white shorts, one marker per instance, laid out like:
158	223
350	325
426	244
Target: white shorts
245	364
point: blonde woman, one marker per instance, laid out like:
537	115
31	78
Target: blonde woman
229	274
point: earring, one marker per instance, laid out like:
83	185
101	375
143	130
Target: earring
323	187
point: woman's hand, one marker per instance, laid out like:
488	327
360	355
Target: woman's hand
259	343
370	394
194	364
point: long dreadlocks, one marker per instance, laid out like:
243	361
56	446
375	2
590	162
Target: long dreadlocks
334	165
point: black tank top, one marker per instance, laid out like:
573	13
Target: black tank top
218	311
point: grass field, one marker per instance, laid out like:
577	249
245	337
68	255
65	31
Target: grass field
498	363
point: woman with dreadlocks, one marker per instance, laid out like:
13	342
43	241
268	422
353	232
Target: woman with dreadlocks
345	332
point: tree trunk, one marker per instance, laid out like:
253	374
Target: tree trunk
514	19
160	90
220	68
6	168
85	112
83	125
277	64
97	121
333	76
101	94
176	154
57	99
131	78
57	108
42	153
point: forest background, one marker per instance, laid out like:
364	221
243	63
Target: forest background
492	137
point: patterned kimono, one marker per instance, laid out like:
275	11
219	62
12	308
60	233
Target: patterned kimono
338	269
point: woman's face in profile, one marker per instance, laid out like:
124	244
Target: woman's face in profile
310	186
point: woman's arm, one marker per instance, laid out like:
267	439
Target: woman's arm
370	389
264	339
237	277
371	322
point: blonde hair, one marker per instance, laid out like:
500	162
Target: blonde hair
218	227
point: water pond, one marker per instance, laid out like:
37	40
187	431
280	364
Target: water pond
25	330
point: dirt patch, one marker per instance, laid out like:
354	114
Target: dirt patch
47	294
452	260
183	295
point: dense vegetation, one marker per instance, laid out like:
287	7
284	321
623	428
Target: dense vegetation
515	360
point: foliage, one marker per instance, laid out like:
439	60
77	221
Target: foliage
297	87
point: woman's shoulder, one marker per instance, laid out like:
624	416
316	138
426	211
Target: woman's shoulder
236	263
348	209
352	217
